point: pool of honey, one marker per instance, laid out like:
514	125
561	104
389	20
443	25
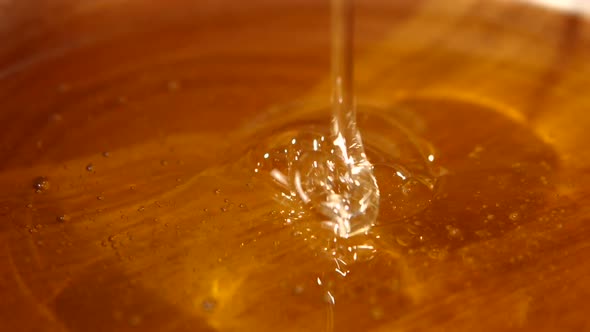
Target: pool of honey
131	132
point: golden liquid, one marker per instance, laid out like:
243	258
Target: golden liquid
190	237
491	190
232	238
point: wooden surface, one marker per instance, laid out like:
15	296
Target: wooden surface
156	83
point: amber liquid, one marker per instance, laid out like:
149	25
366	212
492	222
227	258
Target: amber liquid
235	235
199	236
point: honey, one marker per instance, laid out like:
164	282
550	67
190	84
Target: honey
121	221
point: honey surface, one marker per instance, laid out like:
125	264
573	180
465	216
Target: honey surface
130	134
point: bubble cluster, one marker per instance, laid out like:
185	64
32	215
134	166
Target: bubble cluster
318	180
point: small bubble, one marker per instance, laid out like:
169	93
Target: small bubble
63	218
106	154
90	168
476	152
242	206
55	117
223	209
454	232
173	85
164	162
63	87
135	320
298	289
376	313
543	180
30	206
490	216
100	198
437	254
41	184
141	209
217	191
209	304
514	216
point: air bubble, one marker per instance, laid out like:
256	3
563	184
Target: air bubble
454	232
41	184
313	175
63	218
377	313
298	290
135	320
209	304
173	85
63	87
